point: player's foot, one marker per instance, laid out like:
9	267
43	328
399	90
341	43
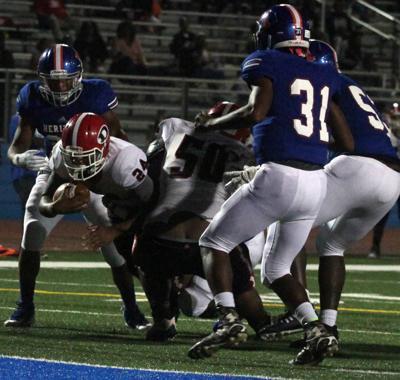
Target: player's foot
320	343
23	316
284	324
8	252
229	331
301	343
162	331
375	252
134	318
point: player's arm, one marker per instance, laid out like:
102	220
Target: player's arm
254	111
114	124
343	139
64	204
19	152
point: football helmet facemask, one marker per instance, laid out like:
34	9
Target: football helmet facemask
222	108
282	27
322	52
85	145
60	74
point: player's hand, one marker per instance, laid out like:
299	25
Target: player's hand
68	203
235	179
32	159
99	236
201	120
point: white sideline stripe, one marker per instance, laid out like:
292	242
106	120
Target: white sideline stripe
100	264
140	369
366	372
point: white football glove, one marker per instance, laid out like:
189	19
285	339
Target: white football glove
31	159
233	180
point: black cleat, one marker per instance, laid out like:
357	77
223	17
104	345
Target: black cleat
23	316
161	331
321	342
134	318
229	332
284	324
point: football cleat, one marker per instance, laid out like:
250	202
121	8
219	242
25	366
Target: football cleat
301	343
162	331
134	318
228	332
23	316
320	343
284	324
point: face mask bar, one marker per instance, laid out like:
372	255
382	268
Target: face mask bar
82	165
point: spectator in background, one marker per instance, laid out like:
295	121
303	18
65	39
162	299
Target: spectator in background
91	46
392	118
185	48
207	67
350	53
52	14
338	24
129	58
6	62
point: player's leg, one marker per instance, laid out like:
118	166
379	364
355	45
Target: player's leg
35	230
377	235
96	213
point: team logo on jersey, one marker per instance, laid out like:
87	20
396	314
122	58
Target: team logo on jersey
103	134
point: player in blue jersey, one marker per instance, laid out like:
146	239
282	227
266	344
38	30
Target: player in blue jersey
361	189
289	107
44	107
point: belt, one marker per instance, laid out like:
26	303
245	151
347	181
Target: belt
299	164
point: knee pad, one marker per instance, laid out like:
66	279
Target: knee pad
34	236
326	243
111	256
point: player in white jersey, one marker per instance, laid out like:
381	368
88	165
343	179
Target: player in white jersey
191	193
115	171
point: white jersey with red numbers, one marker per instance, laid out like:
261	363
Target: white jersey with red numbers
125	168
191	179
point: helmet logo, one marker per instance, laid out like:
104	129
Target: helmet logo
103	134
298	31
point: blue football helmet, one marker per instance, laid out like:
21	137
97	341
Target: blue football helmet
322	52
282	27
60	73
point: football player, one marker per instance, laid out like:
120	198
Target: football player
191	193
288	107
44	107
111	168
361	188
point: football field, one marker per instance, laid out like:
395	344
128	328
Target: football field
78	320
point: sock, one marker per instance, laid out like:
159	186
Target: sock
328	316
305	313
224	299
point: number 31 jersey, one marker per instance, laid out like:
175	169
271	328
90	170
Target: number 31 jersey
191	179
295	126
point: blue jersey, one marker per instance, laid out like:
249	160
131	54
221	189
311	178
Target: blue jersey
371	134
295	127
97	96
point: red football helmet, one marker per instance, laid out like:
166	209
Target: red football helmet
223	108
85	145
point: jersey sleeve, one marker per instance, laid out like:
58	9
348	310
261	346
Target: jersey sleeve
130	168
258	65
166	130
105	98
22	103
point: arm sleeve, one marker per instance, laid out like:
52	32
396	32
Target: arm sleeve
131	167
256	66
105	100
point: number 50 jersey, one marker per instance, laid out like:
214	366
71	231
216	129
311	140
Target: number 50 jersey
295	127
191	177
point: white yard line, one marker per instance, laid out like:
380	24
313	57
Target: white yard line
96	265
